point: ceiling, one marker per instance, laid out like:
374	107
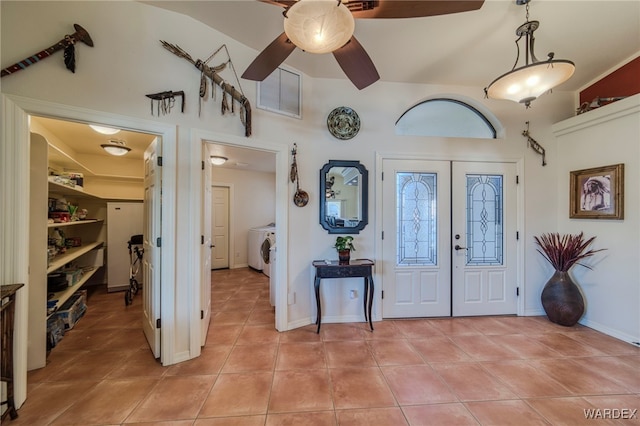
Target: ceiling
469	48
82	139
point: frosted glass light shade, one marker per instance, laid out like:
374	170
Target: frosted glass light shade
117	150
319	26
527	83
104	130
217	160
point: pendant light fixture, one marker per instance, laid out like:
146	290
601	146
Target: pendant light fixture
319	26
528	82
116	147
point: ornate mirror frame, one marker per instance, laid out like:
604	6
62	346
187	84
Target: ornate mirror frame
326	192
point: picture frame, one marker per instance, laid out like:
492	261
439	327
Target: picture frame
597	193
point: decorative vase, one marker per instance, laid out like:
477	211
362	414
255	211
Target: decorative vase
344	256
562	300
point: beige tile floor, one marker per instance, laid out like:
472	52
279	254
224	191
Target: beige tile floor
462	371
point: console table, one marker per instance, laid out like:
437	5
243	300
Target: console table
8	297
354	269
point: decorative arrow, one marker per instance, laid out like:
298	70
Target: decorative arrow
67	43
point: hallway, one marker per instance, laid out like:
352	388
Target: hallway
462	371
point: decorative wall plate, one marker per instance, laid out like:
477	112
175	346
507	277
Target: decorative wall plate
343	123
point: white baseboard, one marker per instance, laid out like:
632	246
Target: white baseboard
610	331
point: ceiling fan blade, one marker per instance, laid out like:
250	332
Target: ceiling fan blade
269	59
412	8
282	3
356	64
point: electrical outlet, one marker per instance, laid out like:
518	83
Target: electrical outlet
353	294
238	254
291	298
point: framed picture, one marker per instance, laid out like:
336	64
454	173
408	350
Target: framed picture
597	193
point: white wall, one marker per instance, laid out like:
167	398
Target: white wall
252	205
128	62
602	137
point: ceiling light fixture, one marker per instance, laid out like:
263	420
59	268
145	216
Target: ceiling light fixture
530	81
116	147
217	160
104	130
319	26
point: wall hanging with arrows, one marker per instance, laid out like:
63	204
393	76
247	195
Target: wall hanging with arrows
67	43
217	80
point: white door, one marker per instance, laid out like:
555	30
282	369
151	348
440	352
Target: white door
205	248
429	209
416	276
484	232
151	265
220	224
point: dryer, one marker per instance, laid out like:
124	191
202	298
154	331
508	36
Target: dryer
256	238
265	251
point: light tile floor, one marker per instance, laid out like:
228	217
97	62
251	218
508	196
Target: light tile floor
462	371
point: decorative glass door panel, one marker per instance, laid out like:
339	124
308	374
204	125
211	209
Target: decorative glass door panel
484	219
417	229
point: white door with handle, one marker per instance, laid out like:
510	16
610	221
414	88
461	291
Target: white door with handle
484	239
449	238
151	264
416	218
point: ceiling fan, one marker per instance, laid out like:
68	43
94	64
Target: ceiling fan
326	26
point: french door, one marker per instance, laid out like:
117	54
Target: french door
449	244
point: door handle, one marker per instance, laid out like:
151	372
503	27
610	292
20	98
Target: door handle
459	247
211	246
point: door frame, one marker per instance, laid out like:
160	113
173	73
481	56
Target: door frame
281	151
378	225
14	175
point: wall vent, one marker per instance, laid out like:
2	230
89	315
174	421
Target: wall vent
281	93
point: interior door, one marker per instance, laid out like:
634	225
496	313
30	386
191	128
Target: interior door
416	246
220	224
484	239
151	265
205	248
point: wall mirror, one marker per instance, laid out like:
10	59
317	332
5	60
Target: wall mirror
344	186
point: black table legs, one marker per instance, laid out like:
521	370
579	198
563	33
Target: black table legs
367	300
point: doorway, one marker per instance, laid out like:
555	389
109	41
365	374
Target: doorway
450	239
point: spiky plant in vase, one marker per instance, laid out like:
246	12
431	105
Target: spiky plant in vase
561	297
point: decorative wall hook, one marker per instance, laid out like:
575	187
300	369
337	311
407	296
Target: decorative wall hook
533	144
165	101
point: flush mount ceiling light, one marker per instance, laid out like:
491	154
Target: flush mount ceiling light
217	160
530	81
319	26
116	147
104	130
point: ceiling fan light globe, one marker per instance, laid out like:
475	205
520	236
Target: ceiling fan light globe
319	26
530	81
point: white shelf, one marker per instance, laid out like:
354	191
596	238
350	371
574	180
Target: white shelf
71	254
64	295
57	188
75	222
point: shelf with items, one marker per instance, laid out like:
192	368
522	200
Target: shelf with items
58	188
71	254
75	222
64	295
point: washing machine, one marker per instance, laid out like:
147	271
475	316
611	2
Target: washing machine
256	237
265	251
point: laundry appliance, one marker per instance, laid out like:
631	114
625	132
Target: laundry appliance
260	239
